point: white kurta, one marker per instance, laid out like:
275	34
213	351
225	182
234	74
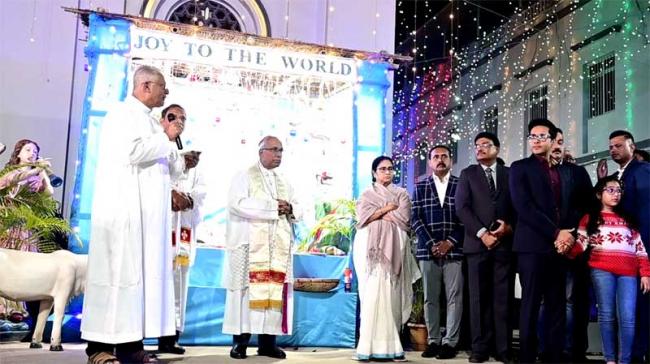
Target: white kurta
189	182
242	209
385	305
130	290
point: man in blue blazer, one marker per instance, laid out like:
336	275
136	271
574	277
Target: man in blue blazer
484	207
439	252
536	190
636	202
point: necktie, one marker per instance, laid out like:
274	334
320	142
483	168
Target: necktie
488	174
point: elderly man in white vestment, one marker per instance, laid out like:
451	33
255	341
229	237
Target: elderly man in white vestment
130	290
188	192
259	298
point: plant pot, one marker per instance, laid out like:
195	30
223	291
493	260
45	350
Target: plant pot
418	334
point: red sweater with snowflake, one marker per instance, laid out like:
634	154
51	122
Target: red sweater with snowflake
616	248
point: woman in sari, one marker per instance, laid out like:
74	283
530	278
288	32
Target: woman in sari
384	264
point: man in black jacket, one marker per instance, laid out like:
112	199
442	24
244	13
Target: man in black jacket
483	205
577	198
536	192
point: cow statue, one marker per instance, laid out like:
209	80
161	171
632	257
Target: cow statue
51	278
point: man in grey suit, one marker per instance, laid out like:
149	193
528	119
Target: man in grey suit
483	205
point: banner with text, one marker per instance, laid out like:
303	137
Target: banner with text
154	44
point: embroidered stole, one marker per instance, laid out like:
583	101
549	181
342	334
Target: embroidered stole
269	248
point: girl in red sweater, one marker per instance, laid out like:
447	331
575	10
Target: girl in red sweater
617	259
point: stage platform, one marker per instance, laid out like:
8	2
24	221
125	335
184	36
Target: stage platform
320	319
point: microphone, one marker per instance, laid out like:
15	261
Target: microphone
55	180
179	144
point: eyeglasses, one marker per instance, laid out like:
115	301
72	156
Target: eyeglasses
163	85
171	117
538	137
386	169
483	146
274	150
613	190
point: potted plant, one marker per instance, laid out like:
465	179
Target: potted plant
333	232
417	327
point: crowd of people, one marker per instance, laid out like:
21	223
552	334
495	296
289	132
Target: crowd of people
540	218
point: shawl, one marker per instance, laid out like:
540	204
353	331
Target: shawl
383	233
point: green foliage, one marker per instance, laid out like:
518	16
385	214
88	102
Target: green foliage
23	210
417	312
334	228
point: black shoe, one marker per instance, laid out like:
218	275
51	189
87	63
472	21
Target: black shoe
274	352
240	344
238	352
173	349
167	344
432	351
503	358
579	359
446	352
478	358
267	347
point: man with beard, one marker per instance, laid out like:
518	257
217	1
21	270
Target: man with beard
439	252
635	201
577	198
484	207
536	190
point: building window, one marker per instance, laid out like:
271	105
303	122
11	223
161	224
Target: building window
602	90
491	119
537	103
536	108
205	13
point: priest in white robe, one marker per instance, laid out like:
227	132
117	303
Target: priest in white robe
258	273
129	290
188	193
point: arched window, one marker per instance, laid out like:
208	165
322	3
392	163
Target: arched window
205	13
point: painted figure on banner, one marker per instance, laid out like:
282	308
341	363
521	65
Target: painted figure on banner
258	274
188	193
130	286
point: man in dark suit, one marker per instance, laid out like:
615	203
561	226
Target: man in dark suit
484	207
439	252
636	202
536	192
577	198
